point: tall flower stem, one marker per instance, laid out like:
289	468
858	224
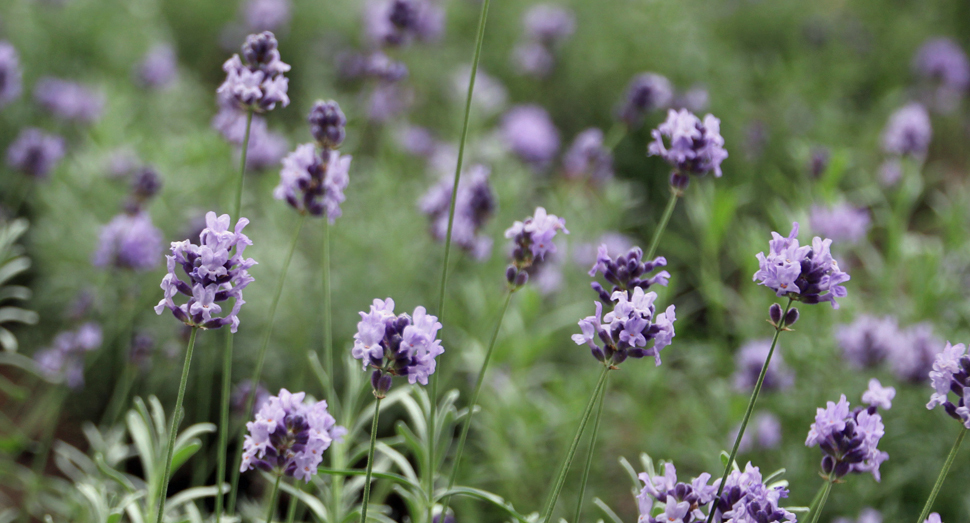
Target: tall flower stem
571	453
294	501
272	498
946	469
615	135
120	395
173	433
242	167
754	398
480	37
668	212
328	359
589	453
370	461
826	488
257	371
474	399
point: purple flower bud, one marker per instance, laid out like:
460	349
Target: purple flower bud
521	278
908	132
791	317
35	153
10	74
327	124
68	100
314	183
587	157
158	68
145	183
774	312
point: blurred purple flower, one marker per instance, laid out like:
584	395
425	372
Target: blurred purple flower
242	392
158	68
767	433
399	22
695	99
533	59
265	151
950	374
267	15
386	101
35	153
878	396
890	171
841	222
416	141
68	100
868	515
64	360
646	93
489	95
141	349
586	254
528	131
129	241
908	132
474	205
313	182
748	362
549	23
806	273
912	356
327	124
942	62
587	157
868	340
10	73
375	65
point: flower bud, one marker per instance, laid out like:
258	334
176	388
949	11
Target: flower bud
791	317
774	312
679	181
521	278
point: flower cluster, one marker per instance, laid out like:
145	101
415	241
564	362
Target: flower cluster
396	345
374	65
241	394
10	73
646	93
868	515
256	82
951	372
942	62
587	157
289	436
841	222
694	146
399	22
528	131
546	27
314	183
216	270
267	15
35	153
68	100
129	241
766	435
805	273
748	363
626	272
746	499
682	502
849	439
532	240
158	68
327	124
65	358
870	340
474	205
908	132
625	331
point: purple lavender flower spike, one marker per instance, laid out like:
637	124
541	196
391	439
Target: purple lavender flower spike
399	22
532	240
767	433
878	396
129	241
69	100
626	272
230	121
951	372
908	132
313	183
267	15
35	153
587	157
489	96
159	67
10	74
549	24
841	222
528	131
805	273
141	349
941	61
474	205
748	363
934	518
397	345
533	59
683	502
242	392
849	439
625	331
913	355
387	101
256	82
216	272
327	124
64	360
646	93
868	340
747	499
694	146
266	151
289	436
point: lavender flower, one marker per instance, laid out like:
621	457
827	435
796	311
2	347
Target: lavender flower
216	270
934	518
141	349
941	61
242	392
878	396
375	65
145	184
158	68
289	436
265	151
230	121
399	345
314	183
529	132
549	23
587	157
767	433
627	329
646	93
746	499
474	205
129	241
256	82
489	95
533	59
64	360
682	502
849	439
912	356
267	15
10	74
868	340
416	141
587	254
695	99
695	147
951	372
748	363
841	222
803	273
626	272
890	171
327	124
399	22
388	100
68	100
532	240
35	153
908	132
868	515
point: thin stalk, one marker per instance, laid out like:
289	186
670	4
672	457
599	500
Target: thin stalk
480	37
120	395
57	397
294	501
571	453
939	480
251	400
173	433
337	460
474	400
816	499
272	499
826	488
674	196
242	167
589	454
615	135
754	398
331	365
370	460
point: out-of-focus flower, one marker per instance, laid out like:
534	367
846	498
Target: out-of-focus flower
646	93
242	392
806	273
868	340
68	100
474	205
314	183
387	101
942	62
878	396
586	254
265	151
695	99
890	171
10	73
912	356
748	363
64	360
129	241
489	95
849	440
588	158
868	515
908	132
841	222
528	131
256	82
950	374
267	15
399	22
35	153
694	147
158	68
141	349
767	433
545	27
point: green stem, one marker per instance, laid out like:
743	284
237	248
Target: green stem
816	499
370	460
614	136
294	499
571	453
674	196
251	400
480	37
471	406
826	488
589	453
754	398
242	166
327	325
272	499
173	433
120	395
939	481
